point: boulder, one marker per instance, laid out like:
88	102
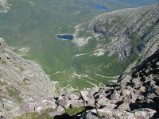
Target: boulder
76	103
108	111
64	103
73	96
143	89
124	106
84	95
89	115
123	115
116	95
45	104
60	109
134	97
126	92
157	90
28	107
102	101
144	113
55	113
88	98
2	117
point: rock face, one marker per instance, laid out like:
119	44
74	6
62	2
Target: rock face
129	30
23	84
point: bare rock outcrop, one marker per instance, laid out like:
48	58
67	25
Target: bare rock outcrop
23	84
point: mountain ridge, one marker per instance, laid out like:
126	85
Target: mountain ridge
117	39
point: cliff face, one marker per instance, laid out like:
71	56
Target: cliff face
23	84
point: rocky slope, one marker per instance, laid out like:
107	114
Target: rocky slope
23	84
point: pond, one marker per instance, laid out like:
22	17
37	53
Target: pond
101	7
65	36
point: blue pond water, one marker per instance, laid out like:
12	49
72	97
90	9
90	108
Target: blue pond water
101	7
66	37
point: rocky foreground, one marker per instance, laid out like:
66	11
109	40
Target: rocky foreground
135	96
27	93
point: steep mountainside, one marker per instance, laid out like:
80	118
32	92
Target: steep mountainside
23	84
128	29
114	40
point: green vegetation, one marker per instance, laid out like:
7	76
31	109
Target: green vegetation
26	82
21	67
3	83
45	114
135	42
75	110
3	61
34	115
13	92
29	115
134	38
